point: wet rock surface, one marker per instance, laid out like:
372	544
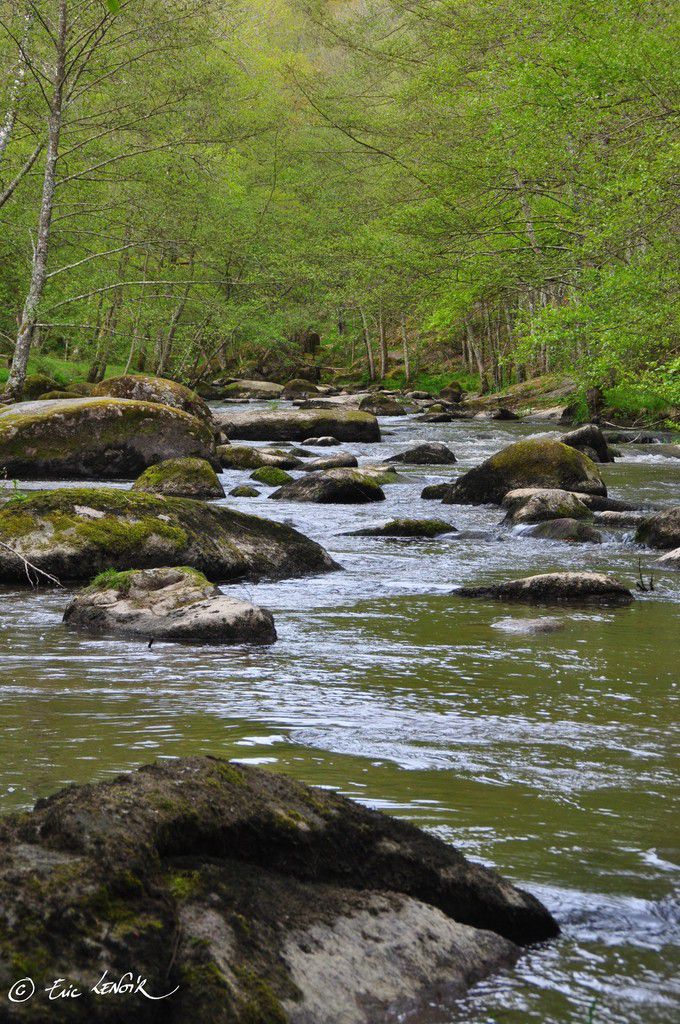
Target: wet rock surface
661	530
104	438
573	531
180	478
555	587
76	533
298	425
168	604
406	528
333	486
430	454
248	896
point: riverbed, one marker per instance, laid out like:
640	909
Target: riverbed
548	756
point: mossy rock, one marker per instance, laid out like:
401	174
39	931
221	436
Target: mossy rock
661	530
572	531
407	528
435	492
244	492
181	478
298	424
271	476
50	395
534	505
297	387
143	388
37	384
96	438
334	486
533	463
381	405
75	533
262	389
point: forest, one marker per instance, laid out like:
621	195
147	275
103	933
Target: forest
440	189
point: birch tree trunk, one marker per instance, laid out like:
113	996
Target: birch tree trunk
17	86
404	338
367	342
17	376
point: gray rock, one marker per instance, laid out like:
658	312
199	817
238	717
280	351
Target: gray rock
100	438
671	560
616	519
76	533
321	442
381	405
555	587
589	439
534	505
570	530
435	492
340	461
661	530
406	528
262	389
429	454
298	424
168	604
333	486
250	897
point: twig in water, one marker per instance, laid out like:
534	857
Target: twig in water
641	585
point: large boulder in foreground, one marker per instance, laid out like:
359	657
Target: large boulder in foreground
180	478
432	453
298	424
534	463
246	898
141	387
555	587
661	530
332	487
96	438
78	532
168	604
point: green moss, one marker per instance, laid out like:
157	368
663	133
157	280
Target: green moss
177	476
234	456
261	1004
111	579
244	492
271	476
185	884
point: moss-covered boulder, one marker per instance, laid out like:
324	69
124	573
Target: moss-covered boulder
661	530
176	603
239	456
382	405
271	476
555	588
181	478
252	389
37	384
572	531
453	393
143	388
406	528
244	897
431	453
435	492
95	438
534	505
533	463
75	533
298	424
297	388
333	486
50	395
342	460
244	491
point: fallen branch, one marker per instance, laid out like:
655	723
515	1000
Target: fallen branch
30	568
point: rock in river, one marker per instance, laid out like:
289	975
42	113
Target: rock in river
382	405
180	478
589	439
86	438
429	454
555	587
298	425
333	486
573	531
248	896
168	604
241	456
661	530
76	533
671	560
257	389
535	505
406	528
340	461
143	388
533	463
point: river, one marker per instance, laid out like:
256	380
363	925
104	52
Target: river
547	756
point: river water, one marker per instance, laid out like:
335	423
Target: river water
548	756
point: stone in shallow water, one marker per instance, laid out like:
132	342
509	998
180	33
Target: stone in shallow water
671	560
168	604
431	454
535	505
406	528
529	627
180	478
253	896
547	588
332	486
571	531
661	530
340	461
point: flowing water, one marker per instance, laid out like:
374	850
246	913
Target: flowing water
548	756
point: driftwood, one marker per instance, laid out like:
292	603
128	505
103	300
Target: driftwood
34	579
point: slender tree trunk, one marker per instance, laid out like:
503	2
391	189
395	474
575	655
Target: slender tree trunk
367	342
404	338
17	376
383	345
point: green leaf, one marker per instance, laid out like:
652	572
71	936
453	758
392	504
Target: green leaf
113	6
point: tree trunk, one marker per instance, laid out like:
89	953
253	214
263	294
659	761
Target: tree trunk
383	345
404	338
29	316
367	342
17	87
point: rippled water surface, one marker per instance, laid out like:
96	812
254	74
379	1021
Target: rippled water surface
548	756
